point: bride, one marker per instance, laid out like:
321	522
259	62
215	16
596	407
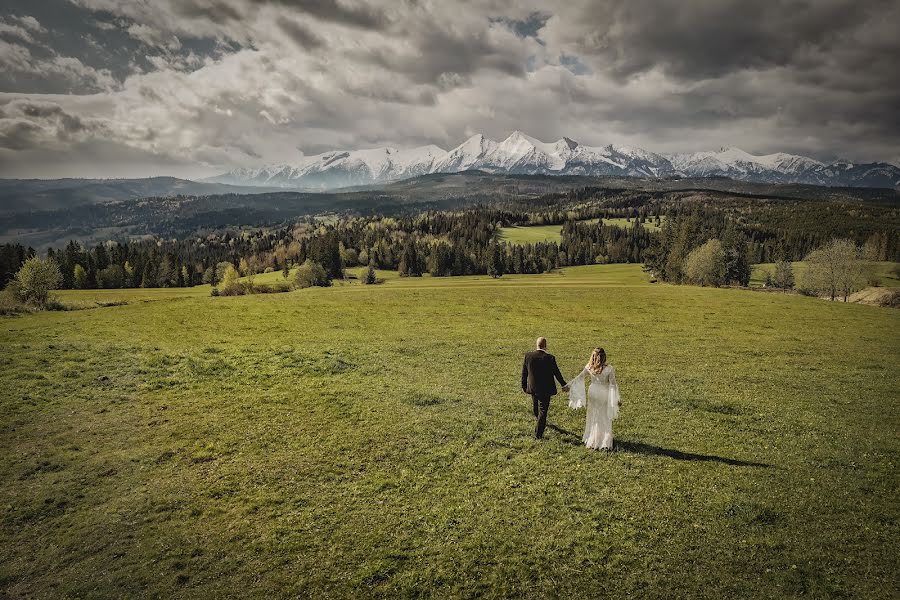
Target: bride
602	400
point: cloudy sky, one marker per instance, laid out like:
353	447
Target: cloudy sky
192	87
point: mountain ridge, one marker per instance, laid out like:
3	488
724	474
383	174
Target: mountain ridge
520	153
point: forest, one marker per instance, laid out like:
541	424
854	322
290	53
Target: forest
465	241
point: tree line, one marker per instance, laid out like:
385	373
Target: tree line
468	242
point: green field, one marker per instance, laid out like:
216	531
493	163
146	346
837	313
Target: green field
362	441
532	234
885	271
649	225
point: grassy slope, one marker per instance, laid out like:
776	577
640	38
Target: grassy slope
373	439
552	233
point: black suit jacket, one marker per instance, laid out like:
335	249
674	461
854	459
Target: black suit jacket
538	372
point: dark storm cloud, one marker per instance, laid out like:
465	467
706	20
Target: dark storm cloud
217	11
441	56
819	70
34	124
698	39
299	34
16	134
80	51
235	82
343	13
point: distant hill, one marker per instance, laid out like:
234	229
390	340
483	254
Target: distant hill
91	212
22	195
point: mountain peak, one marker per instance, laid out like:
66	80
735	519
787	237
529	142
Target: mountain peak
520	153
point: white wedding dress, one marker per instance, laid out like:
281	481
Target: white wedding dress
602	401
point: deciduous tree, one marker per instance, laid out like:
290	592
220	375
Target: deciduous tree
36	279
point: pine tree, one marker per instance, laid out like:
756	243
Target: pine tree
496	266
737	262
370	277
409	262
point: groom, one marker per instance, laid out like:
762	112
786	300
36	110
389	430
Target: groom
538	372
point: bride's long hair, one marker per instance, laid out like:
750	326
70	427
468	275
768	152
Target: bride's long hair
598	361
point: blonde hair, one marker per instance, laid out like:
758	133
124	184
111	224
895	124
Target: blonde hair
598	361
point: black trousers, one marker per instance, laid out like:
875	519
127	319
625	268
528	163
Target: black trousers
541	404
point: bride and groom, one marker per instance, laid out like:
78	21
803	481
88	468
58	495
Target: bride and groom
602	398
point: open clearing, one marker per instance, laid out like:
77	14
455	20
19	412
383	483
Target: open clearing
373	441
532	234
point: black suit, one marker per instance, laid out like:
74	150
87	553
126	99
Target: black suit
538	372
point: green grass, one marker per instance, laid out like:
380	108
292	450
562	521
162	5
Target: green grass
90	298
884	270
372	441
532	234
649	225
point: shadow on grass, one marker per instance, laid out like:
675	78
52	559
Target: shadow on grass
641	448
573	438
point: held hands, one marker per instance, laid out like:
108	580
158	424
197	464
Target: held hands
565	388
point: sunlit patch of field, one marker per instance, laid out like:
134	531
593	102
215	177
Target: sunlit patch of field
532	234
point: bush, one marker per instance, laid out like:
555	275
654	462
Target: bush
706	265
230	284
55	304
370	278
237	289
36	279
311	274
10	302
275	288
891	299
784	275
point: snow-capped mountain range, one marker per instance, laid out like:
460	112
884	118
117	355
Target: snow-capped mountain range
522	154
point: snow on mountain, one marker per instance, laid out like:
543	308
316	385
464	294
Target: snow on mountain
523	154
738	164
465	156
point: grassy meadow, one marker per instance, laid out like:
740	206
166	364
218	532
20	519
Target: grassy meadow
372	441
532	234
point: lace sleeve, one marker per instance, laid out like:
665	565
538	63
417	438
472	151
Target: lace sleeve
577	395
614	397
